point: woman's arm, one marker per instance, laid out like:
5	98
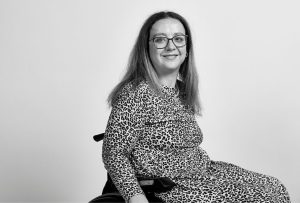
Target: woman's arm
120	137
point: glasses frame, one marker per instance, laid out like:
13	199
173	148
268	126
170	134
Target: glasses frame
186	36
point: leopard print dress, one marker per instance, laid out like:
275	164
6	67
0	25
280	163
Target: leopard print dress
157	136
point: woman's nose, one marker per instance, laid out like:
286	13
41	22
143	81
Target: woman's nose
170	45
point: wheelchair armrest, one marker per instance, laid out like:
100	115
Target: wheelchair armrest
158	185
148	184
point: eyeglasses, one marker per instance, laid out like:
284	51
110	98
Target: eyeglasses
162	42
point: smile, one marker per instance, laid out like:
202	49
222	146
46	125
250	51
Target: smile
170	56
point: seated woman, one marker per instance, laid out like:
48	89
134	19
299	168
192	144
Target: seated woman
152	129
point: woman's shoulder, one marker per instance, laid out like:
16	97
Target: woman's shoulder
133	91
134	88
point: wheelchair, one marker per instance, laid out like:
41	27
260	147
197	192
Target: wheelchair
148	185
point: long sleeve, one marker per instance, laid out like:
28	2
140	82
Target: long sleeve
121	135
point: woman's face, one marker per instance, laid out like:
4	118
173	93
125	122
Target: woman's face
169	58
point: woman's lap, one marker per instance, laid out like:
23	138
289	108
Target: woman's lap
260	184
226	182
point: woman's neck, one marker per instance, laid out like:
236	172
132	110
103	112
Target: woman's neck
168	80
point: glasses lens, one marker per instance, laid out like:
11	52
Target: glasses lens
160	42
179	40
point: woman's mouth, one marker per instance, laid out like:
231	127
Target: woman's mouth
170	56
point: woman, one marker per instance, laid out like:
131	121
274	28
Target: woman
152	129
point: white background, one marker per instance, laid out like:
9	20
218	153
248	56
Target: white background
60	59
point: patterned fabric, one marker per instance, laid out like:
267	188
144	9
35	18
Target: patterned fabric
158	136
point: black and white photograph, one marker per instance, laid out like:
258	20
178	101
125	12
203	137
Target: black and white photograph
149	101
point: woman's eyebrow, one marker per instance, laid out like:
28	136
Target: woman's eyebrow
179	33
160	33
165	34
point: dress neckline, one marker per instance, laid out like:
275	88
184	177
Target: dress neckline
171	91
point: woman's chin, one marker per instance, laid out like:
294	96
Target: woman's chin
169	69
173	63
174	66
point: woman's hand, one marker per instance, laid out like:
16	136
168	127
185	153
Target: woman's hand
139	198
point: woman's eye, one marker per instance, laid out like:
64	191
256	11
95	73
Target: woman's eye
159	39
179	39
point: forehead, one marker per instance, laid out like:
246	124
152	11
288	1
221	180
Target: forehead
168	26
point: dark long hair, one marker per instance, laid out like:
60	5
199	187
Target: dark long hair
140	67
